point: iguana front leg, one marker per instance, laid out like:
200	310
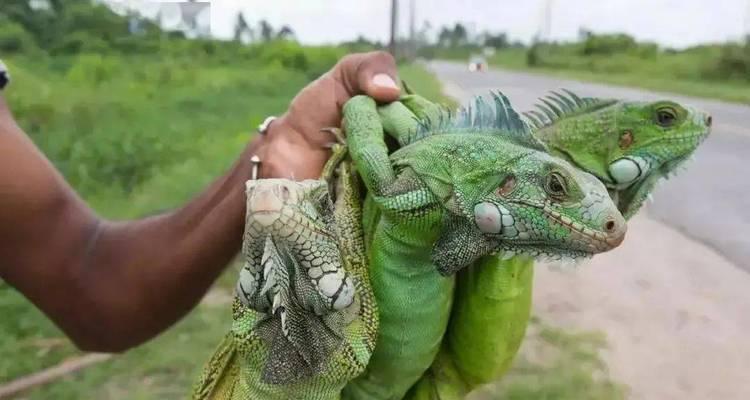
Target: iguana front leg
408	289
258	342
366	144
404	119
268	217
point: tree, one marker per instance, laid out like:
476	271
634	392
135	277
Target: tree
444	37
459	36
584	33
498	41
285	33
423	34
266	30
453	37
242	31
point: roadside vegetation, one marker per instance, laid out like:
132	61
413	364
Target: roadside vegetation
138	121
718	70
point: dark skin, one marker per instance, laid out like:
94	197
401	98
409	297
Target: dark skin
113	285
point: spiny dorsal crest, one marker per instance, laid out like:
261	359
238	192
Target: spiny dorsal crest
556	106
481	117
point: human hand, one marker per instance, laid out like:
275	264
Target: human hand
294	145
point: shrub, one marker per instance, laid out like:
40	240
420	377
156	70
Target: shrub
93	68
286	53
13	38
733	63
608	44
80	42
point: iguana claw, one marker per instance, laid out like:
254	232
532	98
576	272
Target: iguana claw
336	132
339	154
407	89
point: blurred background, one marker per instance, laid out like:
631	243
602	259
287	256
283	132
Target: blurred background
141	103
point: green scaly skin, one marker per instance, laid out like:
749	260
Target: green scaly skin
629	146
281	307
457	190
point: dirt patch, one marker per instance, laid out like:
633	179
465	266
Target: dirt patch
676	314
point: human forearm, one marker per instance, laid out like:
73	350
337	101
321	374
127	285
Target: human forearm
109	285
142	276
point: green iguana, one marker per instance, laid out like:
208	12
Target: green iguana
304	315
629	146
460	188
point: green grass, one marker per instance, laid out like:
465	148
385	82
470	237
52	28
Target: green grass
425	83
676	73
556	365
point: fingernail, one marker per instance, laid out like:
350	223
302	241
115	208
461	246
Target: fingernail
385	81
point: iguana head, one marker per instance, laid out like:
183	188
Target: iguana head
536	205
545	205
628	145
504	192
280	205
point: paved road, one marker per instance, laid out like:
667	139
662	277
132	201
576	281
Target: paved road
709	202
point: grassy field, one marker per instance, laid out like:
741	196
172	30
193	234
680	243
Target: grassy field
425	83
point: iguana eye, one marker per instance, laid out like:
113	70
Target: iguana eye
666	116
555	186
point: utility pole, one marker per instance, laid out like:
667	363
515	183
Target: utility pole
547	30
412	30
545	24
394	27
747	22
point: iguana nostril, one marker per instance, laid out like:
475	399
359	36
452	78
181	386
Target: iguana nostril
610	226
284	193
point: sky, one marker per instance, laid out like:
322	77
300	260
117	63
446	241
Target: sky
672	23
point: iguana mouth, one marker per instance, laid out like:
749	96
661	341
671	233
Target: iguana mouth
541	250
267	200
607	241
596	241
